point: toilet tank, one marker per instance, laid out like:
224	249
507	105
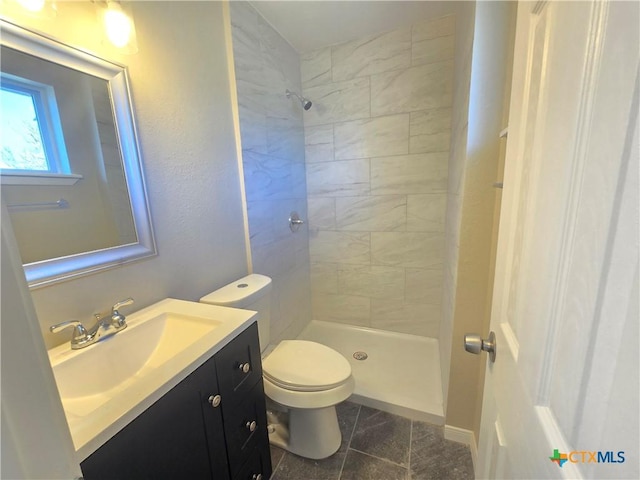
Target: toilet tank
252	292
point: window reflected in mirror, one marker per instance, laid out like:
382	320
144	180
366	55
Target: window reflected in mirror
61	123
31	129
70	167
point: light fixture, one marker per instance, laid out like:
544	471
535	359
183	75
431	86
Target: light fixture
117	24
44	9
32	5
119	28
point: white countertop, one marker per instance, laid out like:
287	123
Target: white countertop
96	418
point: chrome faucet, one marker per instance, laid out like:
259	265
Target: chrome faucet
106	325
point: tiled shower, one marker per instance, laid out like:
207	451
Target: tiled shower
272	137
368	167
377	150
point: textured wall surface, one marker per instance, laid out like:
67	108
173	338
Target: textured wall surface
488	99
471	226
272	137
458	155
377	150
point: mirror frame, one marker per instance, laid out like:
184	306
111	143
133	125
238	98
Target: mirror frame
48	272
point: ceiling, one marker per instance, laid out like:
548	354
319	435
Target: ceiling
309	25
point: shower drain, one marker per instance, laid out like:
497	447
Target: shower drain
360	355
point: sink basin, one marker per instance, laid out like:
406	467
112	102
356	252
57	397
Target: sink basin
106	385
132	353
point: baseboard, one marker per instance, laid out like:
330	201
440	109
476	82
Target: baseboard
466	437
430	413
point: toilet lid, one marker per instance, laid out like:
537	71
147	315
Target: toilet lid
305	366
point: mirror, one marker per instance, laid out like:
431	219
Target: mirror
79	206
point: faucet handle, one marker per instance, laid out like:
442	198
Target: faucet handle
122	303
78	332
117	319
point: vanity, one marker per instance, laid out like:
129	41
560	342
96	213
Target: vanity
177	394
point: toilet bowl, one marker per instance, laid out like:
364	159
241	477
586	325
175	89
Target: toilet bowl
307	379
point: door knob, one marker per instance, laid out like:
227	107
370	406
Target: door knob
473	343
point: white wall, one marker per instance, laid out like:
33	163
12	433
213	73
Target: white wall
181	95
459	125
36	442
475	200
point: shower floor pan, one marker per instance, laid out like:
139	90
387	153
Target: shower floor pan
394	372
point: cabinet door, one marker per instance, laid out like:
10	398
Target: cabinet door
245	426
257	467
239	366
212	419
168	440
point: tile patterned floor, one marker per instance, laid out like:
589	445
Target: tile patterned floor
380	446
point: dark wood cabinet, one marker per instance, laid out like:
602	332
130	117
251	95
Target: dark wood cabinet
212	425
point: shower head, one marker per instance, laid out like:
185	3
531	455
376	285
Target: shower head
306	104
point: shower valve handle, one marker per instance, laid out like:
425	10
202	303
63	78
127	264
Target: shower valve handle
295	221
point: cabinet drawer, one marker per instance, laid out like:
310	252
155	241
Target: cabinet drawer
242	434
257	467
239	366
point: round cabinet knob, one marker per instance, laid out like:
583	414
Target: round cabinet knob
251	426
245	367
256	476
215	400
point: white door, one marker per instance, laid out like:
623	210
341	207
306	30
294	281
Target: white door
561	399
36	442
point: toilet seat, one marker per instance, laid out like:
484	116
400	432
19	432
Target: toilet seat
304	366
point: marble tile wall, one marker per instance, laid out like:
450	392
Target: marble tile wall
272	137
377	161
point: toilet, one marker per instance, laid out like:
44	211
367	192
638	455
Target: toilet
307	379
